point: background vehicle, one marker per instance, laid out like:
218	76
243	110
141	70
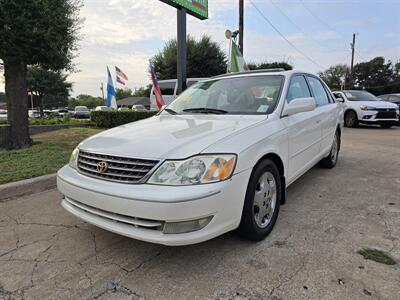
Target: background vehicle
33	114
168	90
363	107
60	112
3	115
81	112
101	108
138	107
394	98
217	158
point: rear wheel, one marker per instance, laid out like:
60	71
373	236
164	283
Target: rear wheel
331	160
262	202
351	119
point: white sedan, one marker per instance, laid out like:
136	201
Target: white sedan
219	157
363	107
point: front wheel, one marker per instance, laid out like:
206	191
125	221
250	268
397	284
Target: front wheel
262	202
351	119
331	160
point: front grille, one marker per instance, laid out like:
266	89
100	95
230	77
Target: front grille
118	169
386	115
385	109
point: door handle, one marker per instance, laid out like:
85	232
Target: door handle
318	121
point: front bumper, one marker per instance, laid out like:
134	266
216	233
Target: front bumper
119	207
373	117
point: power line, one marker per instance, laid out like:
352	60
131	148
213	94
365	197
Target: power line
328	25
303	31
283	36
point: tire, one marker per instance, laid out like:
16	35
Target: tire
264	193
331	160
386	125
350	119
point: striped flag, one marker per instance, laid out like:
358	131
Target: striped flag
121	77
157	91
111	101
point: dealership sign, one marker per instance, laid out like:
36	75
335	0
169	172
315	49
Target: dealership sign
197	8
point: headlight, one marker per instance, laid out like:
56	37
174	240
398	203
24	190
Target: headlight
366	107
195	170
73	161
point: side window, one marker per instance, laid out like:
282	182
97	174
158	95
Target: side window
321	98
298	88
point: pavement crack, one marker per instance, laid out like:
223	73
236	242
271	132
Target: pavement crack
113	288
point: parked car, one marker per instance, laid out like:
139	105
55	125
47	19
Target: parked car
33	114
394	98
102	108
138	107
363	107
60	112
169	89
3	115
81	112
219	157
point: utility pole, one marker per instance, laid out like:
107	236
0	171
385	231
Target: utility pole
102	90
182	49
241	25
352	59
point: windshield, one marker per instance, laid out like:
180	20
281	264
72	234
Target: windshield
360	96
81	108
240	95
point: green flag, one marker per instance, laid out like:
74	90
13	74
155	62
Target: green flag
236	60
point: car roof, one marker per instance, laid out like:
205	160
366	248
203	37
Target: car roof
278	71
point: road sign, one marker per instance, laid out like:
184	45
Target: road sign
196	8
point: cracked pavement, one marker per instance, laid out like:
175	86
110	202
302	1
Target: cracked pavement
46	253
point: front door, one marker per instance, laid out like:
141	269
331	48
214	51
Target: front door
304	131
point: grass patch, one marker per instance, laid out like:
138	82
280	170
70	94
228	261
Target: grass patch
377	255
50	151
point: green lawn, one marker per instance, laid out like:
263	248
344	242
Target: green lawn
49	152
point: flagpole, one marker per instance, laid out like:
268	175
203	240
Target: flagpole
229	56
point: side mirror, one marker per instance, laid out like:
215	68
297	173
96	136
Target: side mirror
339	99
299	105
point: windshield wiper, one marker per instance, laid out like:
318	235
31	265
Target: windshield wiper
171	111
206	110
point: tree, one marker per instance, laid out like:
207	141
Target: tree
205	58
49	85
376	76
123	93
33	33
142	92
336	76
267	65
86	100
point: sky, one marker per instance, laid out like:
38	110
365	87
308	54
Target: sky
127	33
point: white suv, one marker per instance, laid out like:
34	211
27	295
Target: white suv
219	157
363	107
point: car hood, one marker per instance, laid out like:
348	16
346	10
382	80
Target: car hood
168	136
376	104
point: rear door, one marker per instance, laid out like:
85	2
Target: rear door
303	129
327	109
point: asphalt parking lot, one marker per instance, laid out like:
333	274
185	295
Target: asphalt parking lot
46	253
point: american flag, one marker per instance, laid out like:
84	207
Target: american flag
157	91
121	77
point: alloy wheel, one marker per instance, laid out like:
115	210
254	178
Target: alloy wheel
264	200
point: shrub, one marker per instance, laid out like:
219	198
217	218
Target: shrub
110	119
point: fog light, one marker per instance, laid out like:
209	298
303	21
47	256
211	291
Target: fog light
186	226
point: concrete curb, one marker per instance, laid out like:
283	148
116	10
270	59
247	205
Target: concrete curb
13	190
